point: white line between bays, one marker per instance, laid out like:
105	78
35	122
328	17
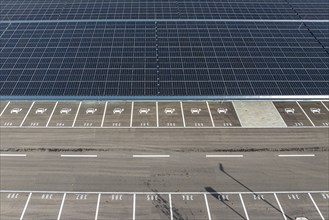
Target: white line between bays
26	114
134	207
97	206
25	207
61	208
183	116
316	206
282	212
51	115
131	114
207	205
76	115
211	118
104	113
4	109
305	114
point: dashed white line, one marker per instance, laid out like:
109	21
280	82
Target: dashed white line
305	114
157	112
103	118
211	156
76	115
170	206
325	106
316	206
61	208
26	114
134	207
183	116
207	205
4	109
282	212
67	155
25	207
296	155
212	120
131	114
97	207
12	155
150	156
244	207
51	115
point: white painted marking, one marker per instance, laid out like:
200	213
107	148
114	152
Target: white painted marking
4	109
157	113
51	115
316	206
66	155
244	207
97	207
237	114
278	113
210	156
296	155
12	155
170	206
148	156
134	207
282	212
61	208
104	114
305	114
183	116
212	120
26	204
325	106
76	115
26	114
207	205
131	114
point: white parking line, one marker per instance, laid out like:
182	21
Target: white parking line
237	114
183	116
277	200
170	206
134	207
4	109
131	114
316	206
26	114
278	113
296	155
325	106
305	114
61	208
76	115
148	156
207	205
244	207
103	118
26	204
51	115
97	207
67	155
211	156
12	155
212	120
157	112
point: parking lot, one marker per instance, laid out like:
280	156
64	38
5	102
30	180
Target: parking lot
153	206
164	114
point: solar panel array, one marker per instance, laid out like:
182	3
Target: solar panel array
164	48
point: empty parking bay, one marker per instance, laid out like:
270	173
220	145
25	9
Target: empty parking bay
115	207
39	114
298	205
15	113
64	114
317	112
12	205
189	207
292	114
170	114
262	206
225	207
144	114
152	207
90	114
43	206
322	201
79	206
223	114
117	114
196	114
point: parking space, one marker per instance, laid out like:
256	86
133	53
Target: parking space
15	113
12	205
187	206
117	114
298	205
322	201
3	106
170	114
64	114
43	206
262	206
196	114
223	114
79	206
152	207
292	114
39	114
316	112
144	114
90	114
115	206
225	207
